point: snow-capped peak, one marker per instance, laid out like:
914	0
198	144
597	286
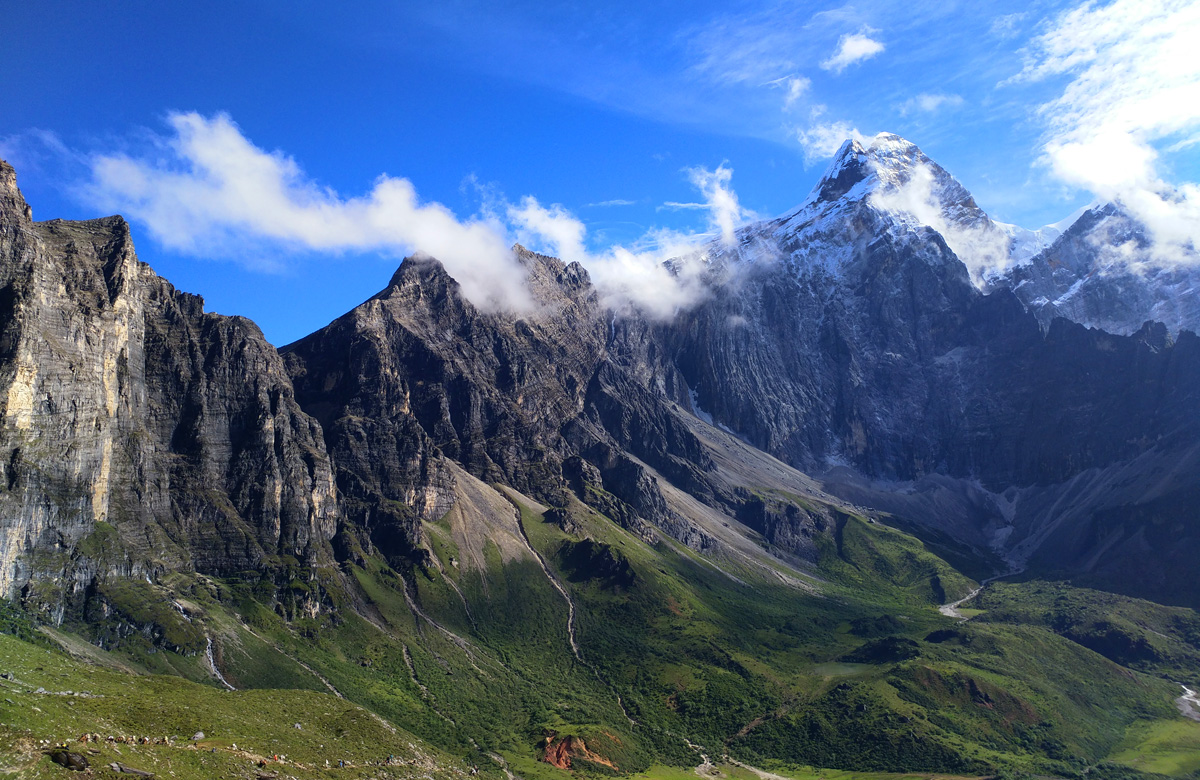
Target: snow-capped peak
888	183
1026	243
887	161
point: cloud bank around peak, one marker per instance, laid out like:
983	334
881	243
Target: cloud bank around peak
1132	86
983	247
640	276
205	189
208	190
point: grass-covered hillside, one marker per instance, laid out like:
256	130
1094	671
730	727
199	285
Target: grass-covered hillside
556	643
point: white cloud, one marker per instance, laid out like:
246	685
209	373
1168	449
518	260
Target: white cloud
625	277
981	247
206	189
853	48
724	211
1133	86
555	229
821	139
613	202
639	276
210	190
796	87
929	102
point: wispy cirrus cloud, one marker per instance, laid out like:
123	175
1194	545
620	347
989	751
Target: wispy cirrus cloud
929	103
1008	25
610	203
853	49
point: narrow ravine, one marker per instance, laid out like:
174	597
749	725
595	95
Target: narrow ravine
470	652
951	609
425	694
294	659
212	664
570	612
466	607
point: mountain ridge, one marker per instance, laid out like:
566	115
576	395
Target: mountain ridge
509	532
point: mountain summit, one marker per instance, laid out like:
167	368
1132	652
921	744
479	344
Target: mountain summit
886	162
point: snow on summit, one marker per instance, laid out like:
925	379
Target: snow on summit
888	182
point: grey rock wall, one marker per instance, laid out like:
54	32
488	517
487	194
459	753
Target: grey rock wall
127	409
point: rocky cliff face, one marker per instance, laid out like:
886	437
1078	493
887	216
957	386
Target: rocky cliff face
848	339
140	434
866	343
1103	272
417	375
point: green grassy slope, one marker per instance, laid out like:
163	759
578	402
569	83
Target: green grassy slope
851	668
50	698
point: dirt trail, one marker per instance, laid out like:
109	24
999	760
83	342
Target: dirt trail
951	609
708	769
762	773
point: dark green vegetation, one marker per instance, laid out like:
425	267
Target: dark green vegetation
1142	635
851	667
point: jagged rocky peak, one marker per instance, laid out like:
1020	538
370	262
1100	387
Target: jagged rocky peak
886	163
887	185
886	181
884	186
171	433
12	202
1104	270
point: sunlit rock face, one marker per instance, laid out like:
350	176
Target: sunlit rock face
140	434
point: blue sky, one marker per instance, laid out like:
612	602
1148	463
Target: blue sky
606	111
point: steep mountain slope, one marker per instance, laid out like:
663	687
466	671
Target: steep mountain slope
141	435
569	398
849	333
1104	273
866	343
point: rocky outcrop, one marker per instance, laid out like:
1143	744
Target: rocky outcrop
418	375
562	752
140	434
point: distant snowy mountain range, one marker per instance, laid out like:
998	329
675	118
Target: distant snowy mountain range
1097	266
